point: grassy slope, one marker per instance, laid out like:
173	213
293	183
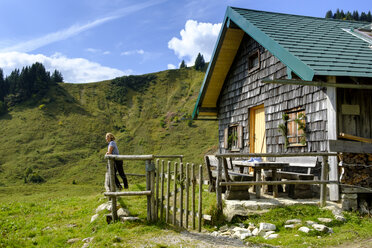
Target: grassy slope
63	140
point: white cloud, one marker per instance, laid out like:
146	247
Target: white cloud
132	52
195	37
171	66
74	70
93	50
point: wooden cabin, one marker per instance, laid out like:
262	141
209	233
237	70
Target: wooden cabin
286	83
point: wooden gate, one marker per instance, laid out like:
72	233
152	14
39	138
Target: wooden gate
173	190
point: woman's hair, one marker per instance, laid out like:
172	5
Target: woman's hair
110	136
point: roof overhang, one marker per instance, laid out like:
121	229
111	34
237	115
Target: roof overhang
227	45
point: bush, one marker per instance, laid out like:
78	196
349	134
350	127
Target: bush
35	178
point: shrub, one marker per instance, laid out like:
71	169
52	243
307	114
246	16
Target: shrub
35	178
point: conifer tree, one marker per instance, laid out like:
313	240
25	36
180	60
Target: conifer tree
57	77
199	62
329	14
183	64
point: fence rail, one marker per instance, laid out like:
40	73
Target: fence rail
323	182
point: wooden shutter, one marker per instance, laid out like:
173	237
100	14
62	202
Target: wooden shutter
226	138
240	136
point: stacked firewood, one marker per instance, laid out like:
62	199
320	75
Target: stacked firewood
357	169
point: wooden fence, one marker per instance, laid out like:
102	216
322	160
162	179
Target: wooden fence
167	190
323	182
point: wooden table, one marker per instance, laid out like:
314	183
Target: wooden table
257	168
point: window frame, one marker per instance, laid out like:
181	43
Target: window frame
236	144
293	130
251	57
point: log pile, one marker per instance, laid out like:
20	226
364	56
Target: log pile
357	169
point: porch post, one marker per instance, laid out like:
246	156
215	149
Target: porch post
332	135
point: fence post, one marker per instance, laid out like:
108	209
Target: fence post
181	194
218	187
193	195
111	167
149	178
175	194
200	196
169	177
162	191
187	194
324	177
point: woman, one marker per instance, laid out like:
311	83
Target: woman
113	149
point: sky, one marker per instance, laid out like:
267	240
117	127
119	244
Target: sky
96	40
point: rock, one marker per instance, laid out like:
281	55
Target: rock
255	232
240	230
245	235
340	218
267	227
71	225
325	220
103	206
215	234
85	245
251	227
293	221
268	233
74	240
304	229
88	240
320	228
94	217
310	222
224	228
291	226
272	236
123	212
226	234
129	218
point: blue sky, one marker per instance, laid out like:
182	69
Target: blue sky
96	40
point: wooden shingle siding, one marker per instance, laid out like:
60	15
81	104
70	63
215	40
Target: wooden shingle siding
243	90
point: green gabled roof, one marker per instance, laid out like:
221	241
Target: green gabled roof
308	46
322	44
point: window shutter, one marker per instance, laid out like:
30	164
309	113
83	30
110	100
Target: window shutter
240	137
225	138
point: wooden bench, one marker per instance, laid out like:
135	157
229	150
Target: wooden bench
228	175
300	168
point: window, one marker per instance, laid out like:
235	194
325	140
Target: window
254	61
296	124
233	137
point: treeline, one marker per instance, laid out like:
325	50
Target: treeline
31	81
340	14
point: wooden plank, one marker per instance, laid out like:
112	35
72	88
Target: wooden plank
323	187
332	128
200	196
187	195
356	138
111	168
128	193
272	155
181	194
168	192
316	83
218	188
204	216
249	183
193	195
157	201
349	146
153	202
130	157
175	193
148	188
162	191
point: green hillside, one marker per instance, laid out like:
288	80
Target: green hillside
61	137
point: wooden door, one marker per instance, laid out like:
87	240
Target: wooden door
257	130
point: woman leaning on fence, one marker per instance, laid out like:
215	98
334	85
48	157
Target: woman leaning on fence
113	149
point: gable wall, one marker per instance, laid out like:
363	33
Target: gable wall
242	90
